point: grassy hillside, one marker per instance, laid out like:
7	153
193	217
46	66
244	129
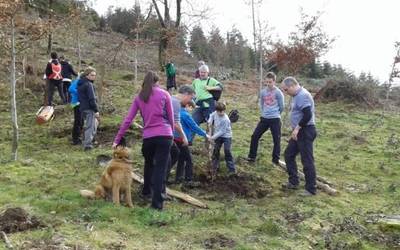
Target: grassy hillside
356	150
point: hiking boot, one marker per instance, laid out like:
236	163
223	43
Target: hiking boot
289	186
306	193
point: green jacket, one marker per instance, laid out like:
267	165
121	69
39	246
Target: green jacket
170	69
199	87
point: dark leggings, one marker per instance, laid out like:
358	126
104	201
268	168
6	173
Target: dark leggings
156	155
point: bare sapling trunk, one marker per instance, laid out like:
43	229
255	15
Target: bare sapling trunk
102	73
255	47
14	148
78	40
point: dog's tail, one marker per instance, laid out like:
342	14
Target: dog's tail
87	194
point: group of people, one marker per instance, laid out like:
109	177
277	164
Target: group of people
302	121
169	127
170	123
79	93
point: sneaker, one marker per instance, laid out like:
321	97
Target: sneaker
275	162
145	197
78	142
289	186
166	197
307	194
232	173
250	160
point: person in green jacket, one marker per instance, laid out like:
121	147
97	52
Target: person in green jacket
204	99
171	73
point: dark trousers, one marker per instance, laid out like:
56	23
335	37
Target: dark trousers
185	164
67	95
155	151
202	113
304	146
78	123
263	125
52	84
171	82
174	156
227	142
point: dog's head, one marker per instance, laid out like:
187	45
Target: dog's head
121	152
99	192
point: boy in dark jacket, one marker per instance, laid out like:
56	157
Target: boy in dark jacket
88	106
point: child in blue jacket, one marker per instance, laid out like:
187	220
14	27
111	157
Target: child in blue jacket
78	123
185	163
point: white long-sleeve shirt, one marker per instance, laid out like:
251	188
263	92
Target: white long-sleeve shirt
222	125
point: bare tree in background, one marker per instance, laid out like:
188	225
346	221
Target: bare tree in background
8	12
169	27
28	31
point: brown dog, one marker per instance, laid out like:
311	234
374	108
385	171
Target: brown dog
116	178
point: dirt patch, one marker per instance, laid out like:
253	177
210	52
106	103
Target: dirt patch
240	185
54	243
295	218
359	140
349	225
17	219
219	241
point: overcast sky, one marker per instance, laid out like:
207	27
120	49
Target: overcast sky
365	30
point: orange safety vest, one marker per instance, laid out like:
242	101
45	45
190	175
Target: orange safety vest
56	72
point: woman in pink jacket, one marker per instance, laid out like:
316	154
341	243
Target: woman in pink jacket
155	108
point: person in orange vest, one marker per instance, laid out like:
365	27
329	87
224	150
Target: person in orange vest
54	79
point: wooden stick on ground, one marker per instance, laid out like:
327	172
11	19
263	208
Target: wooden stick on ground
182	196
323	186
6	240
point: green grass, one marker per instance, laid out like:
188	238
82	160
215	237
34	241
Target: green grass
353	151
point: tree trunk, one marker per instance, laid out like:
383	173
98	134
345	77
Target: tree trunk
260	50
14	148
78	40
102	73
49	43
255	45
162	50
24	63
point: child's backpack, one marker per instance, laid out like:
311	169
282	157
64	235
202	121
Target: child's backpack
234	115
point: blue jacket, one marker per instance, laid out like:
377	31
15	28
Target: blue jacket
73	90
189	126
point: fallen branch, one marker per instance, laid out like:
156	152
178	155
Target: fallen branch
390	222
182	196
6	240
323	186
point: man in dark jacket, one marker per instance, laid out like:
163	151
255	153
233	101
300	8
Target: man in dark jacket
88	106
67	71
54	78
